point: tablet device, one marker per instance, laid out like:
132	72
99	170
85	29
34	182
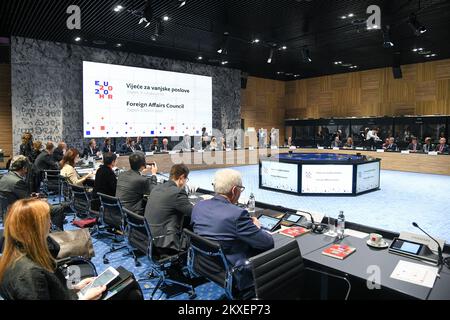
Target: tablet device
293	218
269	223
102	280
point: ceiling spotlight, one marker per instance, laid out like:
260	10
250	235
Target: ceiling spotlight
280	72
283	47
179	3
387	43
166	18
118	8
153	37
417	49
118	45
353	67
296	75
344	17
200	57
148	11
224	62
338	62
416	26
306	56
269	59
77	39
350	15
255	40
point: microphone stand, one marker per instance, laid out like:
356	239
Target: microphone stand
440	257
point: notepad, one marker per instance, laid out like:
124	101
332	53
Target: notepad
415	273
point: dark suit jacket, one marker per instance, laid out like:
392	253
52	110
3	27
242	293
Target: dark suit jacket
167	206
89	152
131	188
13	187
105	181
418	147
154	147
169	147
139	147
112	148
126	149
58	155
26	280
26	149
427	147
392	147
45	161
220	220
445	150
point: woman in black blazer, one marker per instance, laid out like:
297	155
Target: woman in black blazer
27	266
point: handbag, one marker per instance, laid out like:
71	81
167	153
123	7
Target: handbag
85	223
74	243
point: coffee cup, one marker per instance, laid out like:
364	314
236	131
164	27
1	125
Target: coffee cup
376	239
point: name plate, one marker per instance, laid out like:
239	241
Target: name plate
228	149
432	153
321	148
336	148
380	150
149	153
172	152
359	148
201	151
274	147
249	148
405	151
293	148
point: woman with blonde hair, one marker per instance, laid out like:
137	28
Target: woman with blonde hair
36	150
27	266
27	145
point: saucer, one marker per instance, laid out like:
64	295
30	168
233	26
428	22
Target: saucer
382	245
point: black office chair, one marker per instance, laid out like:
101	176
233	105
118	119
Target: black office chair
207	259
280	274
112	223
136	234
3	208
74	269
81	202
161	261
51	183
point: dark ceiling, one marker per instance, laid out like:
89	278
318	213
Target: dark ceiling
198	27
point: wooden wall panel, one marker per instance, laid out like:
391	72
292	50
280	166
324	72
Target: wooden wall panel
5	110
263	103
423	90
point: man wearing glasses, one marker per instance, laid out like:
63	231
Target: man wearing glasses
220	219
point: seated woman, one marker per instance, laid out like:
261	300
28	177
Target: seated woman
67	165
27	268
349	144
37	146
213	144
336	143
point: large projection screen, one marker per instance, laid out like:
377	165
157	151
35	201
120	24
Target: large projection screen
120	101
323	179
279	175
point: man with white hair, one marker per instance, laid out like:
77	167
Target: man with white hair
220	219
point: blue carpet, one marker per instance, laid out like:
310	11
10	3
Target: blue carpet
404	197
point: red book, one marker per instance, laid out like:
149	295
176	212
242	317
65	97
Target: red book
339	251
294	232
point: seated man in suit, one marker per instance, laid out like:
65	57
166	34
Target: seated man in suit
108	146
44	161
91	150
427	146
336	143
442	147
105	179
414	146
139	144
128	147
165	147
391	146
59	151
168	210
133	184
221	220
13	187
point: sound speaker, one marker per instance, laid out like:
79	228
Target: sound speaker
396	68
244	77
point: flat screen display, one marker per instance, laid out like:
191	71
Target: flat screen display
120	101
367	177
268	223
280	176
327	179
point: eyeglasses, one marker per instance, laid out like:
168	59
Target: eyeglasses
241	188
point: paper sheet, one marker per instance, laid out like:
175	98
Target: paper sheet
415	273
356	234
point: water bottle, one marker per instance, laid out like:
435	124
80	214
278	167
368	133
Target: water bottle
341	225
251	203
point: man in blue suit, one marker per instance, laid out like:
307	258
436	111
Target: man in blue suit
219	219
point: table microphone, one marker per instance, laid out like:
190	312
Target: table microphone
316	228
440	258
